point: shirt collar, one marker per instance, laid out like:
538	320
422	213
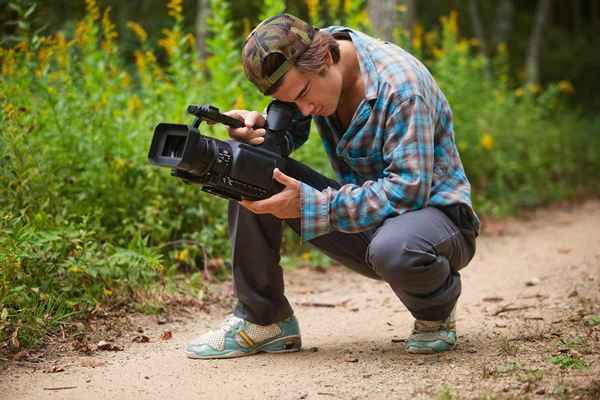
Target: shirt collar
367	66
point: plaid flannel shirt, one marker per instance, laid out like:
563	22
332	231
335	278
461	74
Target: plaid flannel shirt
398	152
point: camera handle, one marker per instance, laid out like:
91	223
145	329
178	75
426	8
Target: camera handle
212	114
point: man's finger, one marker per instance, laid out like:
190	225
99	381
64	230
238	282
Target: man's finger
283	178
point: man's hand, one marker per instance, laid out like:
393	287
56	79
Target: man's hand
254	130
283	205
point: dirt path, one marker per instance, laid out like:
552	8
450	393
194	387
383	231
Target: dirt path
531	293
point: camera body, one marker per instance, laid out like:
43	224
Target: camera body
230	169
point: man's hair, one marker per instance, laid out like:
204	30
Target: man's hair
312	60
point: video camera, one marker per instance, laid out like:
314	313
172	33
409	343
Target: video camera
229	169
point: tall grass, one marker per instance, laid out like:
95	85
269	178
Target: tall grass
84	219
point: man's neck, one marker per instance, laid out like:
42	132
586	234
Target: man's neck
352	83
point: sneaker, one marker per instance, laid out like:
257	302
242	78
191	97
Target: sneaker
433	336
238	337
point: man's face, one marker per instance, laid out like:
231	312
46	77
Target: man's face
313	93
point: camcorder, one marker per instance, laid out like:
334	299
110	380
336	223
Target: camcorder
230	169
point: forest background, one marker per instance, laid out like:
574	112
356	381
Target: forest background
85	222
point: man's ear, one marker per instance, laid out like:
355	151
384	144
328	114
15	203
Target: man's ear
329	59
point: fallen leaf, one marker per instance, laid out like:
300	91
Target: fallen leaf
166	335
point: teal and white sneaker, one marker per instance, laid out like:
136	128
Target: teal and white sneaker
238	337
430	337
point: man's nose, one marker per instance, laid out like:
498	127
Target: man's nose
305	108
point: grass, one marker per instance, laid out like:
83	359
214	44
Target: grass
567	361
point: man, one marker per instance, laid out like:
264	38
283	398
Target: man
400	210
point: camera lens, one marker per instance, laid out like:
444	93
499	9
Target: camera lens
174	145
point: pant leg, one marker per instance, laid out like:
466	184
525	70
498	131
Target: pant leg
256	241
419	254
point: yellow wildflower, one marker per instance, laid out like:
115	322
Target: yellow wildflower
140	60
487	142
92	9
169	43
63	50
519	92
137	30
175	9
125	80
239	102
183	255
566	87
463	46
417	41
534	88
430	39
21	47
134	104
108	29
347	6
8	109
438	52
313	9
8	64
453	21
334	5
246	30
81	32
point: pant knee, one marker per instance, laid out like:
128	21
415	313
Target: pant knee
407	267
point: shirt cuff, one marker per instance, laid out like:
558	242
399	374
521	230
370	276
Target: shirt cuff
314	212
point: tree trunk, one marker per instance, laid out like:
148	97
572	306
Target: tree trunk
595	11
577	20
503	25
383	16
202	13
477	26
410	16
532	64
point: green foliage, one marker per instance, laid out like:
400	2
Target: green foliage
85	220
521	147
593	320
446	393
567	361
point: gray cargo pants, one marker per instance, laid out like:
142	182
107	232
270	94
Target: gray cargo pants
419	254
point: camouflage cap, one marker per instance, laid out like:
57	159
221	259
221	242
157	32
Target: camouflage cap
283	34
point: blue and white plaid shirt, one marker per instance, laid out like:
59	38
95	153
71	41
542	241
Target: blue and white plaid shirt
398	153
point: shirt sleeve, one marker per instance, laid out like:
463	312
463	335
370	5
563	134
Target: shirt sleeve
405	183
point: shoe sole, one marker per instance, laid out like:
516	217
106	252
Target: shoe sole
293	344
428	350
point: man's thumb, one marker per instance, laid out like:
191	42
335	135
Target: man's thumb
282	178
